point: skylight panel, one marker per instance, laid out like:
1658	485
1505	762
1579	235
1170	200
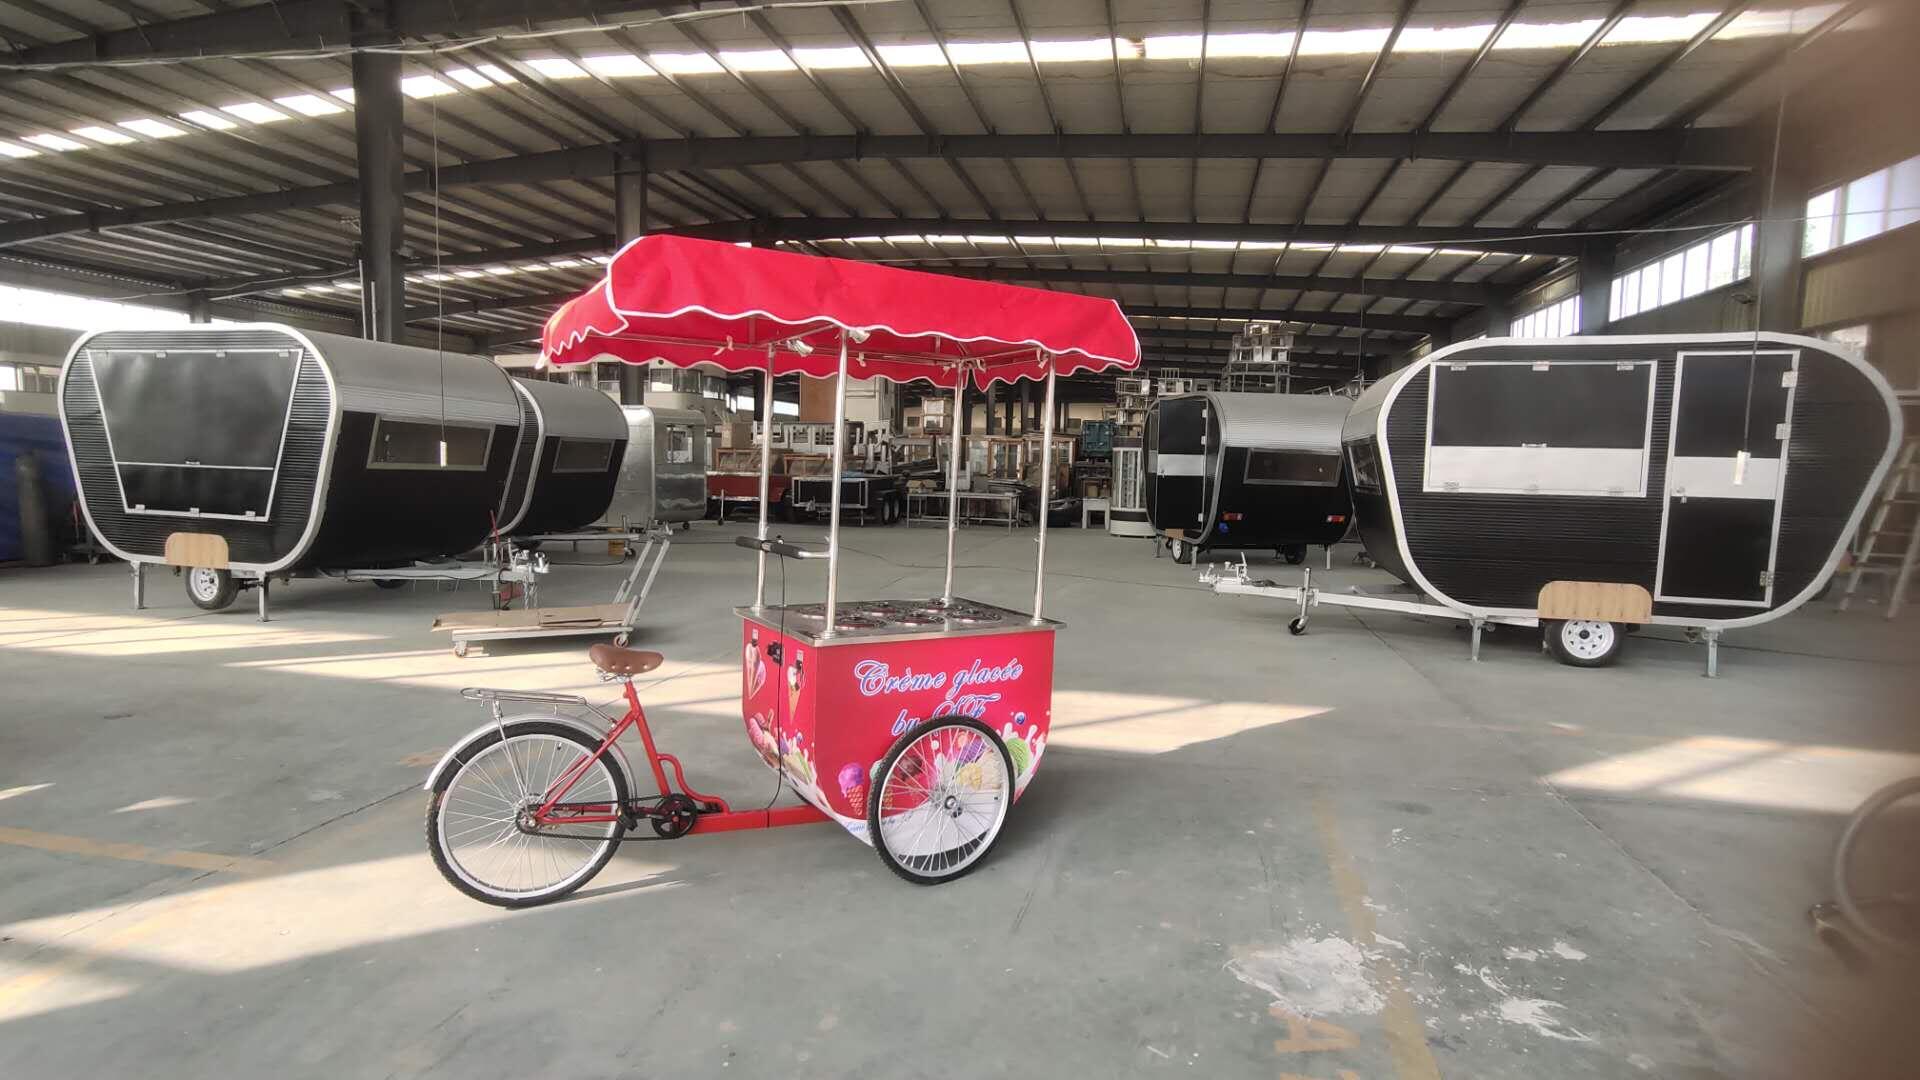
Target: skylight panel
1658	29
151	128
912	56
344	93
618	66
987	52
103	135
496	73
1080	51
1173	47
1417	39
59	144
557	67
210	121
846	56
754	60
1525	35
686	63
255	113
1339	42
470	79
309	105
424	86
13	150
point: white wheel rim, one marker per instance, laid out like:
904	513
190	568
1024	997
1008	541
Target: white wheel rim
205	583
1587	639
477	827
943	800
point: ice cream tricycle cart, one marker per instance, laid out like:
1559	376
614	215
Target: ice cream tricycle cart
913	723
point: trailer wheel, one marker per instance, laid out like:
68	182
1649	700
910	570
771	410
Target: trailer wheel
387	583
1182	552
1587	643
211	589
1295	554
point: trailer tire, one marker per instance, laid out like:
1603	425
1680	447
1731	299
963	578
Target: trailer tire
211	588
1182	552
387	583
1295	554
1585	643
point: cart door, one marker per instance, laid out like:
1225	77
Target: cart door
1726	473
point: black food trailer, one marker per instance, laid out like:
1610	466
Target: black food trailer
249	451
1247	471
565	460
879	497
1589	485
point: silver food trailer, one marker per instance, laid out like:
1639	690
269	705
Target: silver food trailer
238	453
1590	485
663	474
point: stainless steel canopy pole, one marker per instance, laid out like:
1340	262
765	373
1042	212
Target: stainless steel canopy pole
839	465
953	478
766	474
1046	493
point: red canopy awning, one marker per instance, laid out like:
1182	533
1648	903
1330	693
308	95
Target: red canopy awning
688	302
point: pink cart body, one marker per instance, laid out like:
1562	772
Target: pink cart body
827	711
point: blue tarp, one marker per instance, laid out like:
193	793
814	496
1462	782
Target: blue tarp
29	432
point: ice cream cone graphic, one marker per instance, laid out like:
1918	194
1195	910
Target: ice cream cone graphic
755	666
853	784
796	678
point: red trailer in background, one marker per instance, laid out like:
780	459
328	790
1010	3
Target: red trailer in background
914	723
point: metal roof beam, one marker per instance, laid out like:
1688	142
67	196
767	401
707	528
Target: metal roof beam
1716	149
1451	292
308	25
1403	324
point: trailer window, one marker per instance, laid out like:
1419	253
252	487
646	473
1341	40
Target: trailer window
1540	427
583	456
407	444
1366	466
679	445
1292	467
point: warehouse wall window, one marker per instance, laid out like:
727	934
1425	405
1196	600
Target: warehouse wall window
1709	264
1554	320
1878	202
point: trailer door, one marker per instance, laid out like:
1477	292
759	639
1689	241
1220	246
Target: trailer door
1177	458
1726	475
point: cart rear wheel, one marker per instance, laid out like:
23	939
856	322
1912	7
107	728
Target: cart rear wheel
211	589
476	815
1585	642
942	795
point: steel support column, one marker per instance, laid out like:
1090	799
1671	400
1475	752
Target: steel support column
1776	247
378	135
629	223
1596	287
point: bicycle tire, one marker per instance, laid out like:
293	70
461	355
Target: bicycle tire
445	861
1843	893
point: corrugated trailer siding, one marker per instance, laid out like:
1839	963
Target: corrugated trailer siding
146	534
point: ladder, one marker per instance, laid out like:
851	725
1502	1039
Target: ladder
1874	557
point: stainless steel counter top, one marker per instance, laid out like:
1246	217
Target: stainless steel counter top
871	621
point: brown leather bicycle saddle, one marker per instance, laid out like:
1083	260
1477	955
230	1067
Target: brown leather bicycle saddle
615	660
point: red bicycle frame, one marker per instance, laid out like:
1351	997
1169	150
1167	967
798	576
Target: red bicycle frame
711	814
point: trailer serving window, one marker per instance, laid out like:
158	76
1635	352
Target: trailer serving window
583	456
1579	427
410	444
1309	467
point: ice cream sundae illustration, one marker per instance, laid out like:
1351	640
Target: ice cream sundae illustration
853	785
796	678
755	666
760	733
1023	749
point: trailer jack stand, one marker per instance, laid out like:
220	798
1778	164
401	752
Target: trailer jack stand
1713	653
1478	626
139	585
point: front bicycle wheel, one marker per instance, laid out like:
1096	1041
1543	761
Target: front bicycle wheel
480	828
943	794
1876	879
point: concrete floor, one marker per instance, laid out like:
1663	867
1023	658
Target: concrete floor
1350	855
